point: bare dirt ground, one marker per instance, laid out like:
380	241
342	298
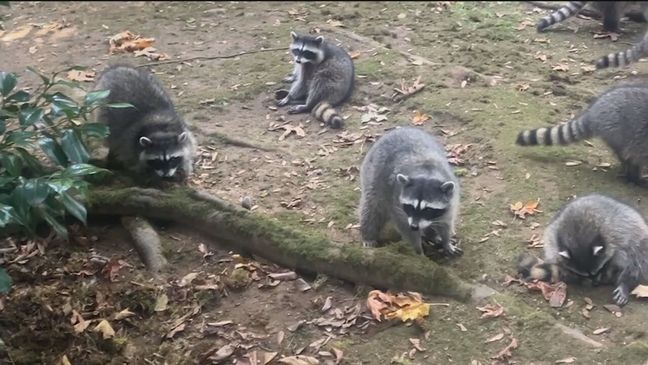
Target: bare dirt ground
488	75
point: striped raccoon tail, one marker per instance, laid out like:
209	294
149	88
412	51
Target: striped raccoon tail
626	57
328	114
532	268
569	10
572	131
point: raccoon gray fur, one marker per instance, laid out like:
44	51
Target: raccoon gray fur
597	238
321	80
624	58
151	138
405	178
618	116
611	11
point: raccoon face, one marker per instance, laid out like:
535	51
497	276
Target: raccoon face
587	258
424	200
307	49
163	153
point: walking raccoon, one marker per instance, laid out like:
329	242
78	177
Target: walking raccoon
321	80
611	11
151	137
406	178
618	116
597	238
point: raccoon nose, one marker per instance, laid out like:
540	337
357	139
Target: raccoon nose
414	227
298	60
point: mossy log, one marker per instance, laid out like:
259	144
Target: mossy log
270	239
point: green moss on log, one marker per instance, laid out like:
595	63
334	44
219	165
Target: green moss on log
283	244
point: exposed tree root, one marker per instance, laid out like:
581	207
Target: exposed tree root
146	242
286	246
238	143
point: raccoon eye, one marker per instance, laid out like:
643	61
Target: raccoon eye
156	164
310	55
175	161
409	209
295	52
431	213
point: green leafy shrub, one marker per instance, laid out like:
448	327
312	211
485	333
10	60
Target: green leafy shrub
44	153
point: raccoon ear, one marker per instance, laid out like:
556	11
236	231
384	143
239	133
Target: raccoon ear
597	250
293	35
448	187
402	179
319	40
564	254
145	141
182	137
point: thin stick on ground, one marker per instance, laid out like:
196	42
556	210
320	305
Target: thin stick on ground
207	58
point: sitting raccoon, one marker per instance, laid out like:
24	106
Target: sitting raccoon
597	238
618	116
405	178
611	11
151	138
321	80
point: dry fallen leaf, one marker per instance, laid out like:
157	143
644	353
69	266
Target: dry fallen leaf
187	279
420	118
406	91
641	291
417	344
521	210
491	310
568	360
408	306
338	355
497	337
123	314
555	293
506	352
599	331
105	329
223	353
573	163
561	67
161	303
377	301
613	36
614	309
79	323
80	75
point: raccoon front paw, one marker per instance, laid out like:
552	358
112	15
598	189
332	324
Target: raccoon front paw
453	250
368	244
620	295
297	109
283	101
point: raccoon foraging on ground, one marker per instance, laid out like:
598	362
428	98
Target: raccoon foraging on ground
597	238
151	137
611	11
618	116
637	51
321	80
405	178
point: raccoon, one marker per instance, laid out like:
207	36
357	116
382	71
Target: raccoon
405	178
618	116
597	238
624	58
151	137
612	11
321	80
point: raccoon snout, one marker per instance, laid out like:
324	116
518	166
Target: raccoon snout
414	227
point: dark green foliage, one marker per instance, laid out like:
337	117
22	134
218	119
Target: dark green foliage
44	154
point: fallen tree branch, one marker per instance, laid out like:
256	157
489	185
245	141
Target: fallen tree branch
238	143
272	240
207	58
146	242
